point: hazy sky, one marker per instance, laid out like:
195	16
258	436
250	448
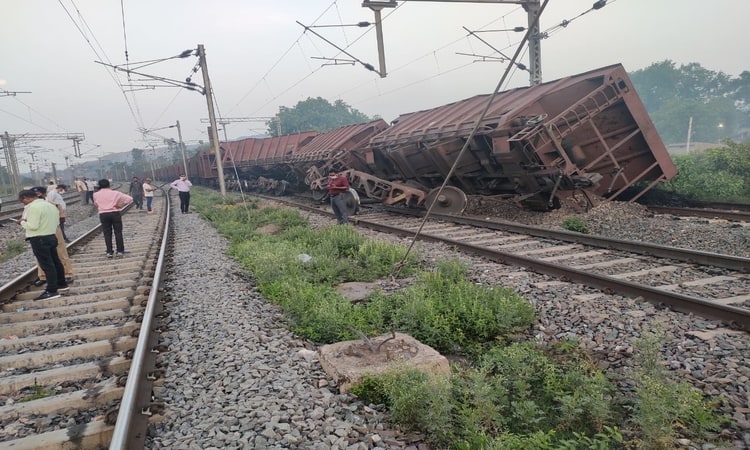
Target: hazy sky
259	58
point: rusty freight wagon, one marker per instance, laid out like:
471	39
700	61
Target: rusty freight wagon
586	133
281	164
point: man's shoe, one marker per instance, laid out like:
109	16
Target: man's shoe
69	280
47	295
122	253
39	282
109	255
65	288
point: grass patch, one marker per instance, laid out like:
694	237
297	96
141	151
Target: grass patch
575	223
36	393
664	408
13	248
509	395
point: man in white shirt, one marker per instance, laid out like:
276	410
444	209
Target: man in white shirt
89	190
81	189
183	186
54	196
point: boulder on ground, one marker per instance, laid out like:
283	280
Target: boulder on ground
348	362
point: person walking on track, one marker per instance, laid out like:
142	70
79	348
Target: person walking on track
148	192
183	186
136	191
109	203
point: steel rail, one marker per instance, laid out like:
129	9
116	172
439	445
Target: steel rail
125	432
737	317
737	263
737	216
21	282
734	316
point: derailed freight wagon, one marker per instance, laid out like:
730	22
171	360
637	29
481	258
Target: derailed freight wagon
261	163
289	163
586	133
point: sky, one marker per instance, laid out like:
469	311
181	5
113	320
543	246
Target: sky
260	58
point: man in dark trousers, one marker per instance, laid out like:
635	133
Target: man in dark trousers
41	220
337	185
183	186
136	191
109	203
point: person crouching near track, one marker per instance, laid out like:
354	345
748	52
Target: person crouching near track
109	203
41	222
337	185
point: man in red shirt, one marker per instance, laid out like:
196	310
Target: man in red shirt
337	185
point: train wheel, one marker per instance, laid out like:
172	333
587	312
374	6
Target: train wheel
451	201
319	196
280	188
352	203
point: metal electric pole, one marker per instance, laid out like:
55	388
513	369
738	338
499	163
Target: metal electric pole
182	147
212	118
530	6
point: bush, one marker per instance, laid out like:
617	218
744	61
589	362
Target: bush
575	223
453	315
663	407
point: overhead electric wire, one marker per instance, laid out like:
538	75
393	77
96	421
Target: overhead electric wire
470	137
111	74
40	114
431	53
278	61
125	36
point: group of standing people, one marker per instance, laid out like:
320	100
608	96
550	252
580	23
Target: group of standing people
43	220
140	190
86	188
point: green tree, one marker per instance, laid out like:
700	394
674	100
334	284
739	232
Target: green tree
718	103
715	174
315	114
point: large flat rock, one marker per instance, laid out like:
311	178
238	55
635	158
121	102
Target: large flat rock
349	361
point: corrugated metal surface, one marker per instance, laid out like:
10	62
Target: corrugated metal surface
339	141
585	131
250	151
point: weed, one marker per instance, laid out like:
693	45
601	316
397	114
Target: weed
37	393
664	407
12	249
575	223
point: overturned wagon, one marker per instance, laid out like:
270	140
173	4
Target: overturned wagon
586	133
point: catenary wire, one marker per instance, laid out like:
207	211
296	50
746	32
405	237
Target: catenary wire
110	73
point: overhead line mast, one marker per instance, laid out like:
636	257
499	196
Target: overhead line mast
9	140
532	10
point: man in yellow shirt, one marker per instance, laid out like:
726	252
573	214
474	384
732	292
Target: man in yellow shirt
41	222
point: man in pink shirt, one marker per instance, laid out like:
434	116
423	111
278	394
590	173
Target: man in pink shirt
109	203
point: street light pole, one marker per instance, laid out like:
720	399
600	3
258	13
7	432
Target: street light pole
212	118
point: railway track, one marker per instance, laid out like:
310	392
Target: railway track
14	208
707	284
740	214
65	362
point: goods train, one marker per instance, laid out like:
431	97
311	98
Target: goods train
587	133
